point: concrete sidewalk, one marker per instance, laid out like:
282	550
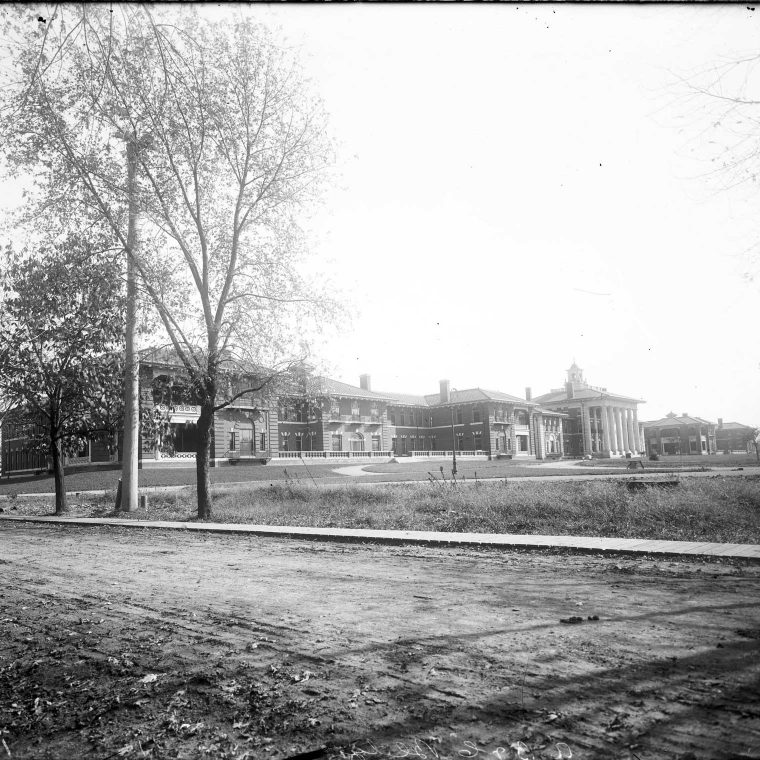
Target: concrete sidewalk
614	545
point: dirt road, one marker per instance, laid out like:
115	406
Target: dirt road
120	643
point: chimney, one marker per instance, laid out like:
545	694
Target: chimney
364	382
569	390
445	393
528	394
720	422
684	414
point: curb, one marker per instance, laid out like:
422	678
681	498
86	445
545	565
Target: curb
631	546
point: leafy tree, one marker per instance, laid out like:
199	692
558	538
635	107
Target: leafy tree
207	133
62	325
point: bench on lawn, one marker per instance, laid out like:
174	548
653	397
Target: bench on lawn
640	483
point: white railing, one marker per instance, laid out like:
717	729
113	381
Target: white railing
447	454
365	419
334	454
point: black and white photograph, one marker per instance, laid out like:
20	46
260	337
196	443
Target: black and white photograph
379	381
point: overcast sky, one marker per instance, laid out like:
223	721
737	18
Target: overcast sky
522	186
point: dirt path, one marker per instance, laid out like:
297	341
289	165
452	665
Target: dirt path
119	643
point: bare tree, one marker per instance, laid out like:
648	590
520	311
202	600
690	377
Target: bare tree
719	104
221	145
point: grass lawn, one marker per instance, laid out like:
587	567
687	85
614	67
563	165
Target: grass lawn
102	478
705	509
97	479
678	461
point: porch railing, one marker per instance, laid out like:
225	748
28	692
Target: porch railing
447	454
334	454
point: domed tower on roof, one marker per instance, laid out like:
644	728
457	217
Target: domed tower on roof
575	375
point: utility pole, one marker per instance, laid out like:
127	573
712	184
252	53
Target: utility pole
129	465
453	445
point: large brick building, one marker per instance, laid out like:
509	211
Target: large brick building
599	423
326	420
680	435
336	420
733	437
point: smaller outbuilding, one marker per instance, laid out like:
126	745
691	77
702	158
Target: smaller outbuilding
673	435
735	438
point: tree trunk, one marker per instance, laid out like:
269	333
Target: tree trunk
202	457
58	476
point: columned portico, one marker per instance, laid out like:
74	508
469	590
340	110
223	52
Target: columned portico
598	422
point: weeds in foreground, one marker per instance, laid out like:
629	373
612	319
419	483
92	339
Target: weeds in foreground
714	509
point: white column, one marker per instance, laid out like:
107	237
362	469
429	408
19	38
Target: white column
631	436
606	441
585	411
613	434
619	430
637	431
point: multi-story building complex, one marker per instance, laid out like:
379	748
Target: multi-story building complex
325	419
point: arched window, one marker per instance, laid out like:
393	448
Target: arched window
355	442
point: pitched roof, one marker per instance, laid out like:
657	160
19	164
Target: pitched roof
544	410
474	394
735	426
673	421
581	393
329	387
406	399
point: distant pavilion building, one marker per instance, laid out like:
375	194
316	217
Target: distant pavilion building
680	435
734	437
599	423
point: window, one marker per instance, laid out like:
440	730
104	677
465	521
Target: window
337	443
459	416
263	441
460	441
402	419
392	418
376	443
477	441
476	415
232	440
